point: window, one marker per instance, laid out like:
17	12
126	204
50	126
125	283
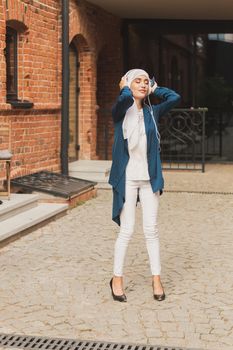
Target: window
11	64
14	30
219	36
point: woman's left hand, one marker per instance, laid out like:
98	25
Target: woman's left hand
152	88
122	83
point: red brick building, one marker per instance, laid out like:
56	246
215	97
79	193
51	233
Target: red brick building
32	32
31	73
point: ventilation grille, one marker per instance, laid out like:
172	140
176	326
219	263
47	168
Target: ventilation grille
43	343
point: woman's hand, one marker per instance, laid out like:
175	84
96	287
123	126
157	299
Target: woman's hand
152	88
122	83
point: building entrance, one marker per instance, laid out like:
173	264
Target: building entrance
190	58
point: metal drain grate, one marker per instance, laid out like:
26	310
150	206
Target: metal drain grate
42	343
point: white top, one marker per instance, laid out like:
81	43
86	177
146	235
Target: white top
137	167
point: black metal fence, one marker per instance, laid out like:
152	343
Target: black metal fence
183	139
219	135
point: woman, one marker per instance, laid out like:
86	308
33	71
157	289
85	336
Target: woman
136	170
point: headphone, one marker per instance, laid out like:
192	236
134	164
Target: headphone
151	82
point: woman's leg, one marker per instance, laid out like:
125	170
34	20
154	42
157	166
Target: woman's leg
150	203
127	218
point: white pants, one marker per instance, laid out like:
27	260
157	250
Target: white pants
149	203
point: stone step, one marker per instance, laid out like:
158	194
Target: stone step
95	177
103	186
18	203
92	170
29	218
91	165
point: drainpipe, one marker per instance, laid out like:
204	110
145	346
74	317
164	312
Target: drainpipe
65	88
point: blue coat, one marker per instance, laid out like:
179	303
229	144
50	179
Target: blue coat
120	154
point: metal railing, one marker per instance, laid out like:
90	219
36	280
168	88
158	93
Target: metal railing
219	131
183	136
182	133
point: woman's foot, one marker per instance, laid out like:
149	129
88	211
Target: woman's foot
158	290
117	289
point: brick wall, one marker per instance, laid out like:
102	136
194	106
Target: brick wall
35	133
101	66
35	136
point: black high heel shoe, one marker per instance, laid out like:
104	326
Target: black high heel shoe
121	298
158	297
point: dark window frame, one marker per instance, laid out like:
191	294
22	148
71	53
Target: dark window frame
12	59
11	35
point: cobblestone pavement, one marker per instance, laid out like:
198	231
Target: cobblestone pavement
55	281
216	178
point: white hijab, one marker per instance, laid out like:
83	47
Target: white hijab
130	123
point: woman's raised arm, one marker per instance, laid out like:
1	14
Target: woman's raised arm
123	102
169	100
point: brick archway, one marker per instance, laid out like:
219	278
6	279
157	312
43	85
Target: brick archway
87	98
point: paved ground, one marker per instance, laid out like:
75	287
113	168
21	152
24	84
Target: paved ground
55	281
217	178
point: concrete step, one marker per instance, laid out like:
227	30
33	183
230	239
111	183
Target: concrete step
95	177
103	185
93	170
18	203
29	218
